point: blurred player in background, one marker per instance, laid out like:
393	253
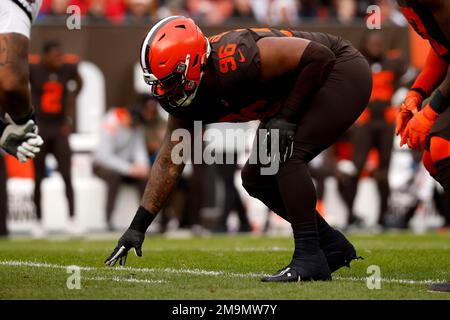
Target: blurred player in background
375	128
232	201
429	127
154	124
18	133
55	85
324	85
121	156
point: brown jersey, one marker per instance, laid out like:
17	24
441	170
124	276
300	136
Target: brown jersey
49	91
422	20
236	92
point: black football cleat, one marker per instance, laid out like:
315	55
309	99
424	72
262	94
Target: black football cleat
287	274
338	250
311	268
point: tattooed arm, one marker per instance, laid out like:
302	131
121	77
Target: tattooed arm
14	76
164	174
163	179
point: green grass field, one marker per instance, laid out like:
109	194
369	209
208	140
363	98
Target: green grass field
218	267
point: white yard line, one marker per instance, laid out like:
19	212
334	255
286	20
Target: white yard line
257	249
389	280
118	279
238	249
55	266
197	272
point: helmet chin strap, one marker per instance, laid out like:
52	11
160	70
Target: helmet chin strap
186	100
191	97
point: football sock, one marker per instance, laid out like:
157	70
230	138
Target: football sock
306	243
322	226
325	231
299	198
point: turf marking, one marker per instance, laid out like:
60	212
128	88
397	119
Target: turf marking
197	272
388	280
55	266
118	279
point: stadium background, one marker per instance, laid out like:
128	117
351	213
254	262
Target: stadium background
107	47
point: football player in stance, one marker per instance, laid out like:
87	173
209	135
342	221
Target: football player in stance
310	87
18	133
428	127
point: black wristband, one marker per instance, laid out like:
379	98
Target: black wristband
142	220
420	91
439	102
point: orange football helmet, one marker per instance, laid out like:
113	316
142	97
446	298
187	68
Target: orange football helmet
173	57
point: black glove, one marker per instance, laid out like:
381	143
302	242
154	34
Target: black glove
286	133
132	238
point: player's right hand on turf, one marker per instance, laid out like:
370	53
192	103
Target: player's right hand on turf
409	107
130	239
20	140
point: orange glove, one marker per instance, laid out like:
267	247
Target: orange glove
418	128
410	106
